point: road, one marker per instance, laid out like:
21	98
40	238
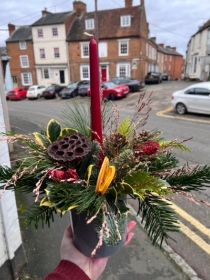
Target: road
194	243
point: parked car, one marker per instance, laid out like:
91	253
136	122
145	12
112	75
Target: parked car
35	92
153	77
112	91
52	91
18	93
133	84
195	98
83	89
72	89
164	76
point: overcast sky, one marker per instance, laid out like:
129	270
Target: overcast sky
172	22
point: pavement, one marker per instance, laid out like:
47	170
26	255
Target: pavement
139	260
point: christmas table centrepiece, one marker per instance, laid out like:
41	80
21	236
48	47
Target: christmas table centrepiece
93	163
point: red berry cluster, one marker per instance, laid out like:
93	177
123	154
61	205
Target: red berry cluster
148	148
70	175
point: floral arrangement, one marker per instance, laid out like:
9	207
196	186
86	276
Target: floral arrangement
64	169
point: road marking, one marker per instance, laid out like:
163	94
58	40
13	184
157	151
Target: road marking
195	238
163	112
191	220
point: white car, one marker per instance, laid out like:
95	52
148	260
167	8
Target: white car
35	92
195	98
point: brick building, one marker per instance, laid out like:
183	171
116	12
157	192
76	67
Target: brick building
55	49
169	61
20	48
123	35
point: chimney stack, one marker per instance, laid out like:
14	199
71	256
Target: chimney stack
44	12
79	7
153	38
11	28
173	48
128	3
161	45
142	2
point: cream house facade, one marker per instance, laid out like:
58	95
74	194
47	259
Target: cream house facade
197	64
51	48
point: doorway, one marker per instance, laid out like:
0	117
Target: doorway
62	76
103	73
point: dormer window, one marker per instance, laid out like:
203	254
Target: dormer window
89	23
125	21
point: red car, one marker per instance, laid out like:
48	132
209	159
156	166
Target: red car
112	91
18	93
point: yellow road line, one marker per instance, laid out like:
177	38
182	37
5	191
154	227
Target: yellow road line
195	238
161	114
191	220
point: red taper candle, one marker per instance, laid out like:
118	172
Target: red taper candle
95	97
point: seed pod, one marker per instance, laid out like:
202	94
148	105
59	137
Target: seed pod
70	147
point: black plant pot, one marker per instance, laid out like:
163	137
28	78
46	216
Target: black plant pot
85	237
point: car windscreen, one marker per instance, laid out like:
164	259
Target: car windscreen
50	88
72	85
109	84
115	81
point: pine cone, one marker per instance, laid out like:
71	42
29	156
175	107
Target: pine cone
70	147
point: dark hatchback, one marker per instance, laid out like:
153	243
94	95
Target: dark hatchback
153	77
133	84
72	89
52	91
83	89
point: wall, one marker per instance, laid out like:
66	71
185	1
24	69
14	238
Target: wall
178	67
113	57
48	42
12	255
13	51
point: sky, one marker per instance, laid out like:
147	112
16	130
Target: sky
172	22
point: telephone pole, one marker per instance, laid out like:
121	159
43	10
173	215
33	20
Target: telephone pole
96	21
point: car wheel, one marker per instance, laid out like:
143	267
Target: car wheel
38	96
111	96
132	89
158	81
181	109
73	94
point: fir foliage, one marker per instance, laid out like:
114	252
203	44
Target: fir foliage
159	218
189	178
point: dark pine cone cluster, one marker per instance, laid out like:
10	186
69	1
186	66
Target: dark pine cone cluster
70	147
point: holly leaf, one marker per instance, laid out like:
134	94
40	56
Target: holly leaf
41	140
67	131
53	130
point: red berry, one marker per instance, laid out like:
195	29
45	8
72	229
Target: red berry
56	174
